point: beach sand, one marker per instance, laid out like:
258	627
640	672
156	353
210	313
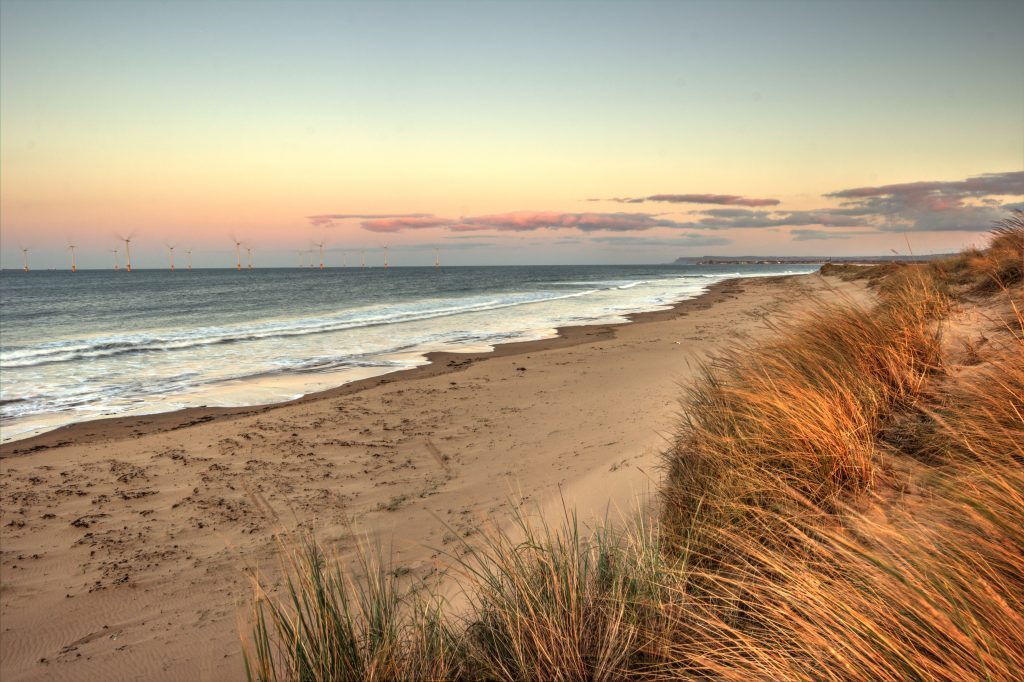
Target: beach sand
124	543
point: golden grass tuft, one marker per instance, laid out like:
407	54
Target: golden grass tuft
805	408
933	589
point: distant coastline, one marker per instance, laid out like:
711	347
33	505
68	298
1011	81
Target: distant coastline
804	260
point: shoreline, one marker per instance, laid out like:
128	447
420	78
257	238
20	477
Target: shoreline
437	363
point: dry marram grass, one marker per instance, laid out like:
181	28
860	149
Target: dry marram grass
842	503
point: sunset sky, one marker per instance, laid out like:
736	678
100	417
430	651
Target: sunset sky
506	132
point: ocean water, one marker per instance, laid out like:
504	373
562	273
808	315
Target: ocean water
78	346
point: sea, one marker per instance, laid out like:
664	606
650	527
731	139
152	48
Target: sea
92	344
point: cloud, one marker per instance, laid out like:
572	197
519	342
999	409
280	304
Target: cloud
442	246
972	204
530	221
934	206
328	219
735	218
720	199
988	184
515	221
682	241
399	223
804	235
524	221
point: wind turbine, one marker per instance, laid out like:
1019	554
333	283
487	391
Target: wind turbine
73	267
189	252
362	258
170	250
238	252
24	259
385	256
437	257
117	261
248	252
127	252
321	245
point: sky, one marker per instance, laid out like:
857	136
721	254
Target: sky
505	132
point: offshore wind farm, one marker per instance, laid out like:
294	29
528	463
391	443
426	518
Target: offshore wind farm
414	257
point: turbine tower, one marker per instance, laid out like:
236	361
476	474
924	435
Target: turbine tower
117	261
321	245
437	257
238	254
24	259
170	250
362	258
385	256
189	252
248	251
128	253
73	267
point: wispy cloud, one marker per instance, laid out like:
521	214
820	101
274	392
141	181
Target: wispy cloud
329	219
803	235
528	221
399	223
719	199
523	221
988	184
443	246
735	218
681	241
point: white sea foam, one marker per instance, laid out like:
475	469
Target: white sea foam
167	340
56	378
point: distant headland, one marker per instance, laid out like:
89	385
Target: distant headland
761	260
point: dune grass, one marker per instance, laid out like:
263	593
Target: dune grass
843	502
932	588
800	414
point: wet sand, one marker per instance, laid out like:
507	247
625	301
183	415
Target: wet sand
124	543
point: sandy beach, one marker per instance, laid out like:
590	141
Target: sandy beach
125	542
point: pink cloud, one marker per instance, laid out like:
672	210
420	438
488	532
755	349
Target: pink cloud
397	224
722	199
328	219
718	199
527	221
